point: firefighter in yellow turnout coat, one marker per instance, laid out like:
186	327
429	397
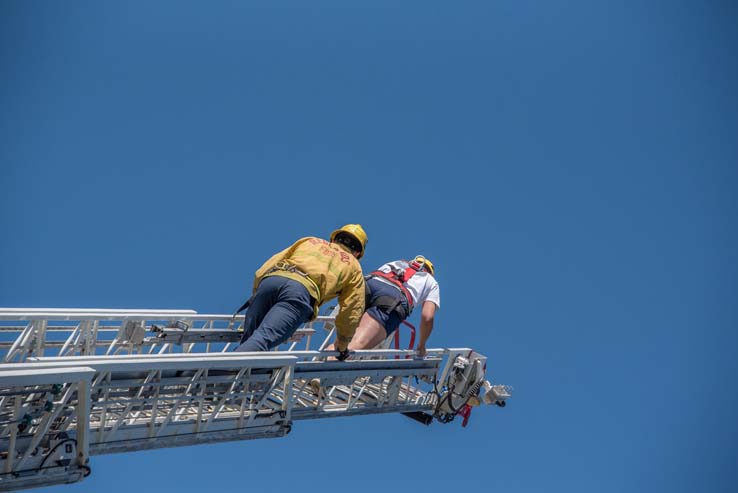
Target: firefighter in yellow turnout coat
290	287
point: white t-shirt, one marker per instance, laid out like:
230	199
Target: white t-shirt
422	286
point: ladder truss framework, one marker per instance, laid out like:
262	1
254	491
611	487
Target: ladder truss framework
77	383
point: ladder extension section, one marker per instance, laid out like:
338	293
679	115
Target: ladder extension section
28	333
87	382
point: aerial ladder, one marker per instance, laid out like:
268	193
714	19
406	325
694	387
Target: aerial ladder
75	383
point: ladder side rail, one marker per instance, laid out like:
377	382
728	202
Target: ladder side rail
59	314
166	362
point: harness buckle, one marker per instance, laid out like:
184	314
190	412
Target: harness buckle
286	266
282	265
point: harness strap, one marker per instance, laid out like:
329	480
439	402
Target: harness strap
397	282
291	268
410	271
243	307
391	304
285	267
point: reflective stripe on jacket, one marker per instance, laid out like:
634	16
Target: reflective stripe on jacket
332	270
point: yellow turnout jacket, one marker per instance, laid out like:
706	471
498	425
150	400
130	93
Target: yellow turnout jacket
331	271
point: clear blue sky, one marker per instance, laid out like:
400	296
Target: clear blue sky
570	168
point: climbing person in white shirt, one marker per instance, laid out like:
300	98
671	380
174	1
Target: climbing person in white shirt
394	290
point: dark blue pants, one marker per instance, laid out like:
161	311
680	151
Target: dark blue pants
277	309
377	289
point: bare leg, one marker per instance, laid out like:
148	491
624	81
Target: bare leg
368	334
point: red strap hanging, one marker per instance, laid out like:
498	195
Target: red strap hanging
466	414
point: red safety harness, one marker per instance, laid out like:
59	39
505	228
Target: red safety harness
399	280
